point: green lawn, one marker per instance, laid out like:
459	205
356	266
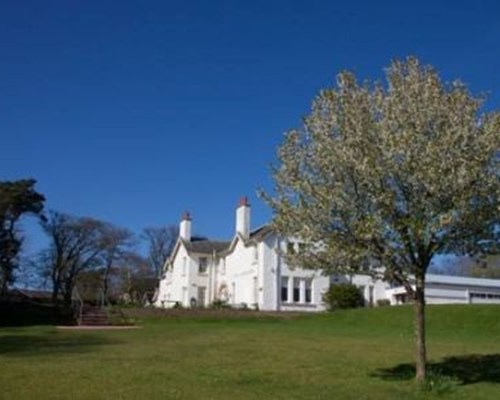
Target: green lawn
359	354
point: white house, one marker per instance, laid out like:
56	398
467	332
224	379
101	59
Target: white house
250	271
245	271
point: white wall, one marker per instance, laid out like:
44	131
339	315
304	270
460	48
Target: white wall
242	276
276	268
256	281
367	284
175	287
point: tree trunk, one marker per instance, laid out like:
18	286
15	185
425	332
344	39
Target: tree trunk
68	291
55	291
419	308
3	286
67	298
105	282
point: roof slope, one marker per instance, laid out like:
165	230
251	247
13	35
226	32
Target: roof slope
261	232
206	246
202	245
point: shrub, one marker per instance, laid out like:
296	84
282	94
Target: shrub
343	295
383	302
219	304
178	305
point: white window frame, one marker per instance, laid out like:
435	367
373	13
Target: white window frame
310	282
284	289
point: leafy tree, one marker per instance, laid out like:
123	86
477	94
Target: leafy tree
485	267
160	241
488	267
16	199
381	178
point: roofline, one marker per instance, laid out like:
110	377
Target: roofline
238	236
462	280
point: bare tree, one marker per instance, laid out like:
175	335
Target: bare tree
76	245
160	241
137	278
116	246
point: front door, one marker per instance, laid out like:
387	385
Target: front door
201	296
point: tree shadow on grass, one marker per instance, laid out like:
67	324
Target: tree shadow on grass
29	314
466	369
51	343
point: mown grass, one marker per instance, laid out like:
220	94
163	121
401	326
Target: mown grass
358	354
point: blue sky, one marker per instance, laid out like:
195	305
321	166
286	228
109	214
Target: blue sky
133	112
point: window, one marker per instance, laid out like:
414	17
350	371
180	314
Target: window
485	295
302	247
308	291
284	288
296	290
290	247
203	265
202	293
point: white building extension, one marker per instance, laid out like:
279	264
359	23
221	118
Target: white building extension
249	271
444	289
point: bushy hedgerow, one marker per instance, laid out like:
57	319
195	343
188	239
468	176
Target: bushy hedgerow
344	295
383	302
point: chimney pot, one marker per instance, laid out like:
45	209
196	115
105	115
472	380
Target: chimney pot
185	227
243	218
244	201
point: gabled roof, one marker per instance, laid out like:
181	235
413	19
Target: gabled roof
261	232
254	236
206	246
202	245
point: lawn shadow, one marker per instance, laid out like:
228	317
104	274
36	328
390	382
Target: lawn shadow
465	369
51	343
29	314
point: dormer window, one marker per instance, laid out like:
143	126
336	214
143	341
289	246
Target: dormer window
203	265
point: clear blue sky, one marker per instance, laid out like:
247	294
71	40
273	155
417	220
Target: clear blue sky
133	112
